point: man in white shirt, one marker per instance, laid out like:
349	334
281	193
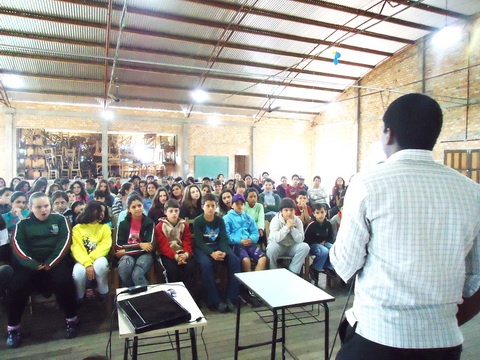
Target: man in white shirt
411	232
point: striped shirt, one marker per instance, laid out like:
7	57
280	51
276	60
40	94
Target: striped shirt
411	228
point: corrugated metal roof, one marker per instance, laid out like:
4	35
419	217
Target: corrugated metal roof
246	54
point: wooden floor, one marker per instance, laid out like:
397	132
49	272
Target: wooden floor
43	335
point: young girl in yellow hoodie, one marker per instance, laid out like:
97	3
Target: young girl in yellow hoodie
91	243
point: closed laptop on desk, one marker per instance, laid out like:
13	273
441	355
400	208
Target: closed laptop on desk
153	311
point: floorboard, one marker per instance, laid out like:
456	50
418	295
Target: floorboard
44	331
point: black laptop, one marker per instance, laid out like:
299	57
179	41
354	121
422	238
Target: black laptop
153	311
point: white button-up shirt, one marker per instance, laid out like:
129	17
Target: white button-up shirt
411	228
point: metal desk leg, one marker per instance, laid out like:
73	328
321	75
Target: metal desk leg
193	342
177	343
274	333
283	334
237	332
327	327
135	348
125	349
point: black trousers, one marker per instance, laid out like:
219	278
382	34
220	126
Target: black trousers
357	347
25	281
175	272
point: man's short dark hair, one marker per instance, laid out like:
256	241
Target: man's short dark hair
319	206
91	182
302	192
415	120
99	194
208	197
64	181
172	203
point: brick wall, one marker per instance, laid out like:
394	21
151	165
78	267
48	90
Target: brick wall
451	76
344	138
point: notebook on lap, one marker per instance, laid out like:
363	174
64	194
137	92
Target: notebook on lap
153	311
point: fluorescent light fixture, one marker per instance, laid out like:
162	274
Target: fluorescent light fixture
447	36
199	95
107	115
13	82
214	120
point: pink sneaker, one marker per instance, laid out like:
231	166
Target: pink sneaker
89	293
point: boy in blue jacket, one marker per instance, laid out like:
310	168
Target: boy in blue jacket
243	235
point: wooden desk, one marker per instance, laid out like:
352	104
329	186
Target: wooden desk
126	332
279	290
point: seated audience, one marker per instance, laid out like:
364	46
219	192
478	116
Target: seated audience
269	200
225	202
5	254
151	190
104	186
39	184
174	245
255	210
19	210
283	187
206	189
90	187
60	205
176	193
120	202
302	210
337	192
211	246
91	243
337	219
5	194
293	190
192	203
243	236
319	236
157	212
23	186
249	183
134	244
240	187
41	246
79	191
52	188
217	189
286	237
77	207
317	193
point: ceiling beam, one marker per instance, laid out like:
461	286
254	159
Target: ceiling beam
155	87
187	39
171	71
159	100
436	10
191	20
298	20
374	15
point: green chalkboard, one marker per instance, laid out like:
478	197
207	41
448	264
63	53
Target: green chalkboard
210	166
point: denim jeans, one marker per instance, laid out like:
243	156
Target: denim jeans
206	263
321	260
132	270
